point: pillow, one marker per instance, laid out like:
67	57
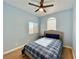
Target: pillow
55	36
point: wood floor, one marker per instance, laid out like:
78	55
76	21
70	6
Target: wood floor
67	54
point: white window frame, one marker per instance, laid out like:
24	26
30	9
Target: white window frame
53	26
33	27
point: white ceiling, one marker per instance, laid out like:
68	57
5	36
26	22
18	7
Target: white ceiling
59	5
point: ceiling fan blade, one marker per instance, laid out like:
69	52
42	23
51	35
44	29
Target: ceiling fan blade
36	10
42	1
48	6
44	10
33	4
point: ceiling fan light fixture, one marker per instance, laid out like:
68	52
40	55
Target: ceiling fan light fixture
41	9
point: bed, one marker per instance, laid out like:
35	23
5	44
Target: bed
47	47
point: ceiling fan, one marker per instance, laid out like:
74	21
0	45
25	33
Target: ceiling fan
41	6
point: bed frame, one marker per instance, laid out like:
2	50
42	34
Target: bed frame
48	32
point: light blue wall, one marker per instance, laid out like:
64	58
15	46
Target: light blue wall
16	27
64	24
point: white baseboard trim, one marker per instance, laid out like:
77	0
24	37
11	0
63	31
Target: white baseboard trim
74	57
67	46
9	51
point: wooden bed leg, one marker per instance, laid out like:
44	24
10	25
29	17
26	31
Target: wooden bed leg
23	52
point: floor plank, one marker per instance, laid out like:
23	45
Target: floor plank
67	54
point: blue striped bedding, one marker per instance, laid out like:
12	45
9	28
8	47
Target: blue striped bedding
52	51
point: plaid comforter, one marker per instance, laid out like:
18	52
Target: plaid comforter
52	51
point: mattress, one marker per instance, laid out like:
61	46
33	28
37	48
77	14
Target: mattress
41	50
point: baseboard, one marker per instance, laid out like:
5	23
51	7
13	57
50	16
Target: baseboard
14	49
9	51
67	46
74	57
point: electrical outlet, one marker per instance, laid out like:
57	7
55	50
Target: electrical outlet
16	44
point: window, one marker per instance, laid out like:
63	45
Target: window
33	27
51	24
